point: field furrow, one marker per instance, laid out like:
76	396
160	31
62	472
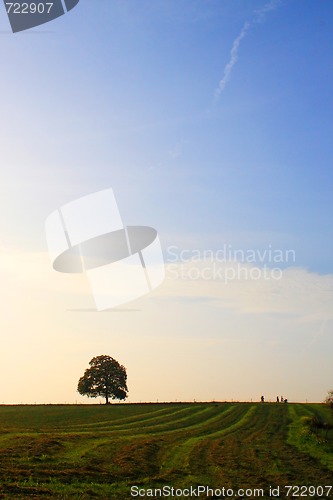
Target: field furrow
101	451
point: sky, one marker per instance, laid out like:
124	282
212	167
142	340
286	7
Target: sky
211	120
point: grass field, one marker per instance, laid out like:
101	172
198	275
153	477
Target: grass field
98	451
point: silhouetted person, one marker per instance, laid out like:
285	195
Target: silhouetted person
262	399
277	399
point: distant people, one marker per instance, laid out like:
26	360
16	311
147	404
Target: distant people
286	400
282	400
277	399
262	399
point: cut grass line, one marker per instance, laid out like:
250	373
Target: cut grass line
43	417
177	427
193	421
303	439
135	420
99	451
179	456
146	422
173	425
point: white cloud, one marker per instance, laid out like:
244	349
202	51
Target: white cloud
253	290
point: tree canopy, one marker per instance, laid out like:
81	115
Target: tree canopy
105	378
329	399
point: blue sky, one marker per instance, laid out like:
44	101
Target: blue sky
121	94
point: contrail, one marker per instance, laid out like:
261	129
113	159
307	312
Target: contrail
232	62
259	16
260	13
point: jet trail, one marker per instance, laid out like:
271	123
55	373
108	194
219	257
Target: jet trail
259	17
232	62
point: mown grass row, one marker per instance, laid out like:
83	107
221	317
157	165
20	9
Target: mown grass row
100	451
306	436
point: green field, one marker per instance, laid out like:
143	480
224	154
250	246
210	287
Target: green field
99	451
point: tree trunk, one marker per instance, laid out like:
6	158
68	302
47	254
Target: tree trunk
106	399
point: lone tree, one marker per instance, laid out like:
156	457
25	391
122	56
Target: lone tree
105	378
329	399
